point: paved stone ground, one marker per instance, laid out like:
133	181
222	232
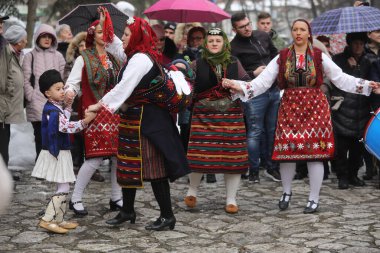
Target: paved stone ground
348	221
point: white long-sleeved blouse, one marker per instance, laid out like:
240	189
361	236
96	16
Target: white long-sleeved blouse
334	73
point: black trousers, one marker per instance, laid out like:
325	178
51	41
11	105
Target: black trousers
5	137
349	156
37	137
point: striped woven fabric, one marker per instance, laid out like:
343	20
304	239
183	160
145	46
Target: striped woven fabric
129	162
153	161
217	140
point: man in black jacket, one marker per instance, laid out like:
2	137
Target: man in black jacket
255	50
350	113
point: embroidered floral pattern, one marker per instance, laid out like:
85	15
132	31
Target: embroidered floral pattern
249	88
304	129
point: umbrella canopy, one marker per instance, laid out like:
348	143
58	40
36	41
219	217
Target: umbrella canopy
184	11
80	18
347	20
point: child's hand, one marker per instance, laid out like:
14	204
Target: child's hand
89	116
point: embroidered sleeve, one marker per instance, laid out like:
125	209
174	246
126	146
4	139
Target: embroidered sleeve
138	66
67	126
260	84
344	81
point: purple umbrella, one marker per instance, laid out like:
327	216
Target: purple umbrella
185	11
347	20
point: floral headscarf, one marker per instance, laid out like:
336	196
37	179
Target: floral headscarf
142	39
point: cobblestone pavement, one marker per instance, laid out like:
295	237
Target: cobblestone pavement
348	220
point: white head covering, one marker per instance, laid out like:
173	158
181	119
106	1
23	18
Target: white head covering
14	34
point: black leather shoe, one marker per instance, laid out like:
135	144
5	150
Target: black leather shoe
114	206
355	181
161	223
77	212
244	176
122	217
311	207
97	177
283	204
210	178
343	184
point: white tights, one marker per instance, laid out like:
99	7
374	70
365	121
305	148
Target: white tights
315	170
232	182
63	188
84	175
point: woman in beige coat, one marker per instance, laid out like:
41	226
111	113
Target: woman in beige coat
11	87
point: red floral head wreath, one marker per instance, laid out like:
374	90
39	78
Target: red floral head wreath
91	34
142	39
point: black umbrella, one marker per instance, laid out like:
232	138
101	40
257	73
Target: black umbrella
80	18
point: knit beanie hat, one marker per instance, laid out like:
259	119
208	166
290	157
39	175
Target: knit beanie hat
48	79
14	34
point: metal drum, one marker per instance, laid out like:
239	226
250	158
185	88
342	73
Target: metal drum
372	135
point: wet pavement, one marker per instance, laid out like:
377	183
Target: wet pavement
348	220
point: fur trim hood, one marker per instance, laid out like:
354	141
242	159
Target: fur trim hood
181	28
73	46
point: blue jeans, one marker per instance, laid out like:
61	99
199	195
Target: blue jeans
261	118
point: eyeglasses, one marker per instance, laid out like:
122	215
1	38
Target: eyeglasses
196	38
244	26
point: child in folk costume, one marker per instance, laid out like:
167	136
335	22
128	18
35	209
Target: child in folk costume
54	162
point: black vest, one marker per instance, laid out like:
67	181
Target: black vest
206	77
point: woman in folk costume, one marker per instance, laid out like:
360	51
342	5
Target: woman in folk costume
304	129
54	162
149	144
94	74
217	135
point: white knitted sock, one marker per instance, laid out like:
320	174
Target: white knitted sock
195	181
232	182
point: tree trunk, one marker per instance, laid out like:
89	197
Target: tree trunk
30	21
287	15
227	7
313	9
